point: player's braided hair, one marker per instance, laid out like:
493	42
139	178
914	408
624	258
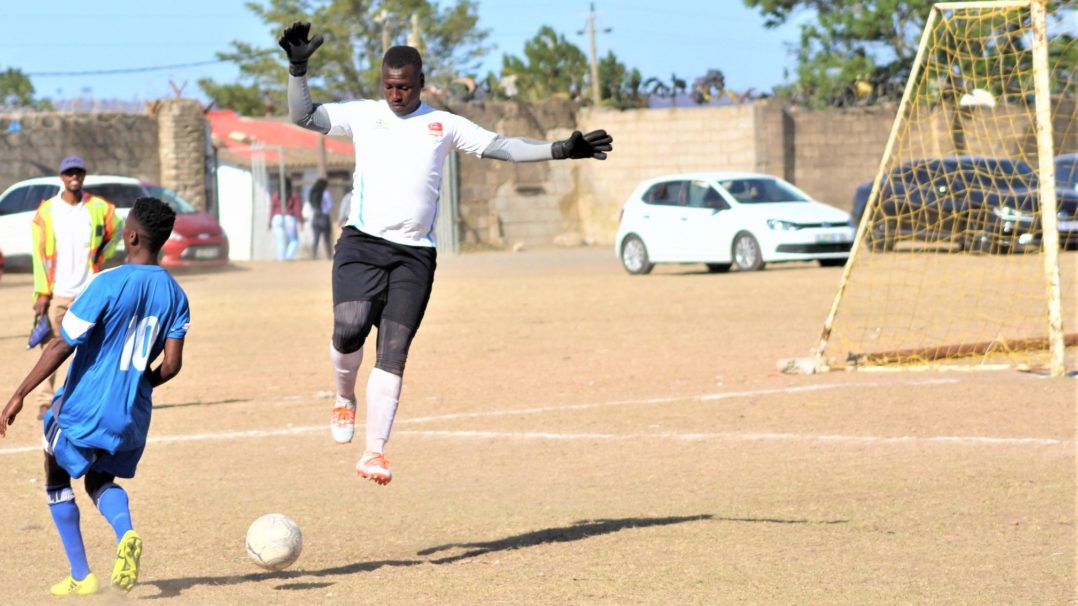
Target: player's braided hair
156	219
399	56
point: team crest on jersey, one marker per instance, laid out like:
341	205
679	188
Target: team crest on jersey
380	124
434	129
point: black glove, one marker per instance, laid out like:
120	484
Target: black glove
592	145
299	49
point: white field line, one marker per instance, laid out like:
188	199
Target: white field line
721	436
751	437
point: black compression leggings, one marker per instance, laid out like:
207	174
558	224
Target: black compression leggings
352	322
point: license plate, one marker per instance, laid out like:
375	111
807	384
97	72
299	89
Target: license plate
836	237
1068	225
207	253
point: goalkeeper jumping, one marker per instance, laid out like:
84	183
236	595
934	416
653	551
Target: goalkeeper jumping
384	263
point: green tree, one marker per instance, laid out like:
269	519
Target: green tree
17	91
660	88
868	41
552	66
860	50
619	87
348	65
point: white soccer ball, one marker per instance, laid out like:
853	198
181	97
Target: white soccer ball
274	541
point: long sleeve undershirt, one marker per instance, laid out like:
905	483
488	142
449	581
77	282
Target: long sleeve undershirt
303	112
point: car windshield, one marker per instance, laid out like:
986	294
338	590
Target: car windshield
761	191
178	204
1003	174
122	195
979	173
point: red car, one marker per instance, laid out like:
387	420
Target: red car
197	239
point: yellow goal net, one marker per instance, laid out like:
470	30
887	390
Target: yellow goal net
965	245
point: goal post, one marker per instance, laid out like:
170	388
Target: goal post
956	259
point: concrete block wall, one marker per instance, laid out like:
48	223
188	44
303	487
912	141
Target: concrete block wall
827	153
834	150
650	143
837	149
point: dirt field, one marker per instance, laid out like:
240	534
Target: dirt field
571	434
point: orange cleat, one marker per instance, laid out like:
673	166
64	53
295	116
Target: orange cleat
374	467
343	423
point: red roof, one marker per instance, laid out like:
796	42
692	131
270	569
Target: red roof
237	134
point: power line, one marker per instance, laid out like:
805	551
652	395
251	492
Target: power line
130	70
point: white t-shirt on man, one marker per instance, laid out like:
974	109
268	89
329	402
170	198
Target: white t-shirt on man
399	161
71	224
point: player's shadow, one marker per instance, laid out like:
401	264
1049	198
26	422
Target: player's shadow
581	530
200	403
169	588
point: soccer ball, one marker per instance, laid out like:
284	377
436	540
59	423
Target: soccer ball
274	541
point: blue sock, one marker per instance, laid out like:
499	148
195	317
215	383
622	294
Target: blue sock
112	503
65	513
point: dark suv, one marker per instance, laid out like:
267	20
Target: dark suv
980	203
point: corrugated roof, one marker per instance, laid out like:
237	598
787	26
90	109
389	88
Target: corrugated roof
238	138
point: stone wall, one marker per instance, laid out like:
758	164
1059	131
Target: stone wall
32	145
181	139
503	203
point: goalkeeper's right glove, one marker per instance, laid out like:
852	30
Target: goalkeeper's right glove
299	48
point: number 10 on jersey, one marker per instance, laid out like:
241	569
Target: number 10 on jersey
141	334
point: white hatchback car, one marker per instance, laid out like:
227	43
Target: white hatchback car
197	239
725	219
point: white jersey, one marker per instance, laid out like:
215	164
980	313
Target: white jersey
399	162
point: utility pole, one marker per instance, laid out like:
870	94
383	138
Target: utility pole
595	97
415	36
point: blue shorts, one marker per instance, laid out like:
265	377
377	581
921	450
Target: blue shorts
77	460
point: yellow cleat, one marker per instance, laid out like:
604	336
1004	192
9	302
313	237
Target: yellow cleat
70	586
128	553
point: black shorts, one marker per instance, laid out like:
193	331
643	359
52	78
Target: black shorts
395	276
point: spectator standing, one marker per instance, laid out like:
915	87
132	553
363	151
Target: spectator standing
74	233
286	219
321	207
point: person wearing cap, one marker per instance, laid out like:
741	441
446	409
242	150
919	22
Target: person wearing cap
74	233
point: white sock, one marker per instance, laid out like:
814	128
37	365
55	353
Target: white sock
383	393
345	370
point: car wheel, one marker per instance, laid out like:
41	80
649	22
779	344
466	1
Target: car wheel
832	262
747	253
879	240
718	268
976	243
634	256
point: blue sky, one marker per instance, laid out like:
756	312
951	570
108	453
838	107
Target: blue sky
686	37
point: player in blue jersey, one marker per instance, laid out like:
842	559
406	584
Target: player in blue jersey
97	424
